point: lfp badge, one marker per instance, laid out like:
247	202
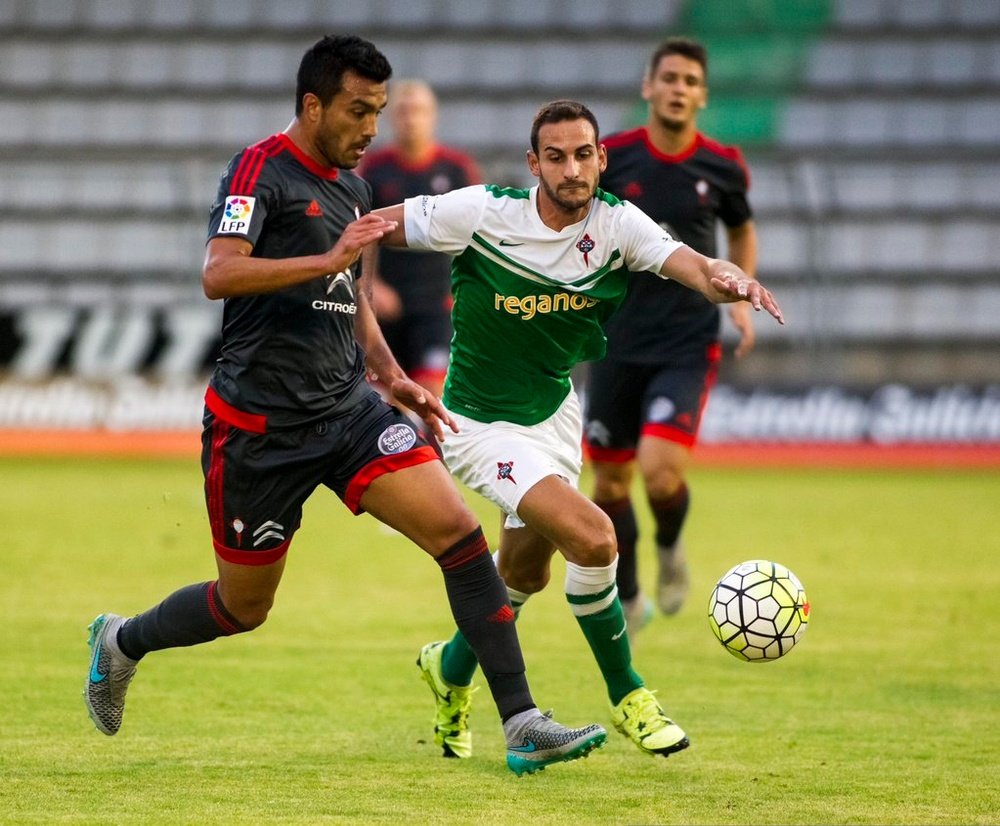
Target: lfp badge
236	214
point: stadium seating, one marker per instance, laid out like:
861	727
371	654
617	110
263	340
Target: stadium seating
873	143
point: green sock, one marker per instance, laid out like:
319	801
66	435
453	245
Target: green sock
587	588
458	661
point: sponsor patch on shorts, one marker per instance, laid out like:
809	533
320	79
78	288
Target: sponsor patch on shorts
236	214
397	438
662	409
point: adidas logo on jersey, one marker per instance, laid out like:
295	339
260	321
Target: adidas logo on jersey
314	210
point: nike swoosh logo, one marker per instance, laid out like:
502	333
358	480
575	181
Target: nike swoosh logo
528	748
95	675
504	243
618	636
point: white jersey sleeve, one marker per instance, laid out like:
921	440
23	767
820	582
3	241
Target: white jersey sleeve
443	223
645	244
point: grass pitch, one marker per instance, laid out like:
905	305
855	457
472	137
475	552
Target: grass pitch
888	710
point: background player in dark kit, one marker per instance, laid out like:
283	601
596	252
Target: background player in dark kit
288	407
646	397
412	290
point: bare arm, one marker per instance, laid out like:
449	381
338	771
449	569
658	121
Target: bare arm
229	270
721	282
393	214
385	301
382	365
742	251
379	360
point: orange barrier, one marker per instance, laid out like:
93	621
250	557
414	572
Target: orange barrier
99	443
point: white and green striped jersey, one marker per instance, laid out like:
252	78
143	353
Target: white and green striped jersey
529	302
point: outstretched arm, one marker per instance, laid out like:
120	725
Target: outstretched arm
721	282
394	214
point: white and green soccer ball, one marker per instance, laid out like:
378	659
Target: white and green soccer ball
758	610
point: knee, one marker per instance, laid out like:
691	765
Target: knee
528	582
529	575
597	546
611	482
664	484
249	610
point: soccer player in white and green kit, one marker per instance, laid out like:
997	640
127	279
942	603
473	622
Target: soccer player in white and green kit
536	272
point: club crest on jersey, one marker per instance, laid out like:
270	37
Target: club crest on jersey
586	246
441	183
505	470
702	188
396	438
236	214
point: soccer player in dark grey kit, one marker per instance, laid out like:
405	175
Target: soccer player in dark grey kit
646	397
288	408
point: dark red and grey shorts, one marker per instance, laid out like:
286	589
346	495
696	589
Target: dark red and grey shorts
256	481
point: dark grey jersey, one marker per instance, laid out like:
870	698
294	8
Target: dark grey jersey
290	356
664	322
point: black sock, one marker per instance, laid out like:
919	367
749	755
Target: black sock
622	516
669	514
190	616
482	611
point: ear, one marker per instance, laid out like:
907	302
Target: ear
647	88
533	167
311	108
602	157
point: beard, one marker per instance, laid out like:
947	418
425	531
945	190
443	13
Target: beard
337	155
569	199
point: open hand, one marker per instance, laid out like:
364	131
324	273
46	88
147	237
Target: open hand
425	404
735	287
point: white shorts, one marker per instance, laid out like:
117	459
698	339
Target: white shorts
503	461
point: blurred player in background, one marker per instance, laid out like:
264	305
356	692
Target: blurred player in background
537	271
645	398
288	408
412	290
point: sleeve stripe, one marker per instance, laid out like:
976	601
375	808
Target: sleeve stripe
250	165
247	170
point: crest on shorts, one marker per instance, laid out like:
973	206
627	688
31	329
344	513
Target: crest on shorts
661	409
396	438
505	470
598	433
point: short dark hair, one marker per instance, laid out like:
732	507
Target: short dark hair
322	69
684	46
556	112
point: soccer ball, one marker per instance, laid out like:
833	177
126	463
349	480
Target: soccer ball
758	610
